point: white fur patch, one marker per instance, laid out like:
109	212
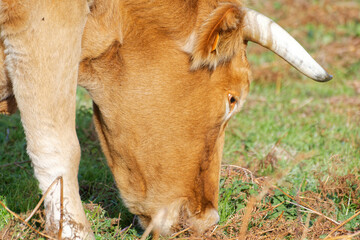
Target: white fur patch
188	47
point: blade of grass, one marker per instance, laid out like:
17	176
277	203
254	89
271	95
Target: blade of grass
304	205
41	200
342	224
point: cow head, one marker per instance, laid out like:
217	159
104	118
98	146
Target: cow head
165	79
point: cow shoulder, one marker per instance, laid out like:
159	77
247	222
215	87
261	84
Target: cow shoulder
103	28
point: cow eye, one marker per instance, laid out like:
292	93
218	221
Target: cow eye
231	105
232	102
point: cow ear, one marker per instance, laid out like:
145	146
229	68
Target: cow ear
219	38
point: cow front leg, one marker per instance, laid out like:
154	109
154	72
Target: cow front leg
42	42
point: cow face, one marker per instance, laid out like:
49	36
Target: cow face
163	137
161	106
165	80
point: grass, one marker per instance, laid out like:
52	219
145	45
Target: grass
293	133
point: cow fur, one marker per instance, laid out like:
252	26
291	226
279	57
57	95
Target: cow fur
42	46
167	131
160	74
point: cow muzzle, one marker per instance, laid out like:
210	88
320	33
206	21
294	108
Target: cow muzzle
203	221
177	214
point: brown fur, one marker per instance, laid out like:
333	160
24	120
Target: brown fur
161	125
8	106
5	83
160	111
7	100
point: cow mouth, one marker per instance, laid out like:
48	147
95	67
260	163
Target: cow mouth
202	222
176	216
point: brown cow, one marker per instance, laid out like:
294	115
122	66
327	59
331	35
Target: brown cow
165	77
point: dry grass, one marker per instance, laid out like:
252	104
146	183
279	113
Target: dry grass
257	211
313	203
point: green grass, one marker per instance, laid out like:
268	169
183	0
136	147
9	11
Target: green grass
275	126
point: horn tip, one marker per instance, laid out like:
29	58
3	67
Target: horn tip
323	78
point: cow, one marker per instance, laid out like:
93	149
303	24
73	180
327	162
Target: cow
165	77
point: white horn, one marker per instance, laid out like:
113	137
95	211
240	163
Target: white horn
262	30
